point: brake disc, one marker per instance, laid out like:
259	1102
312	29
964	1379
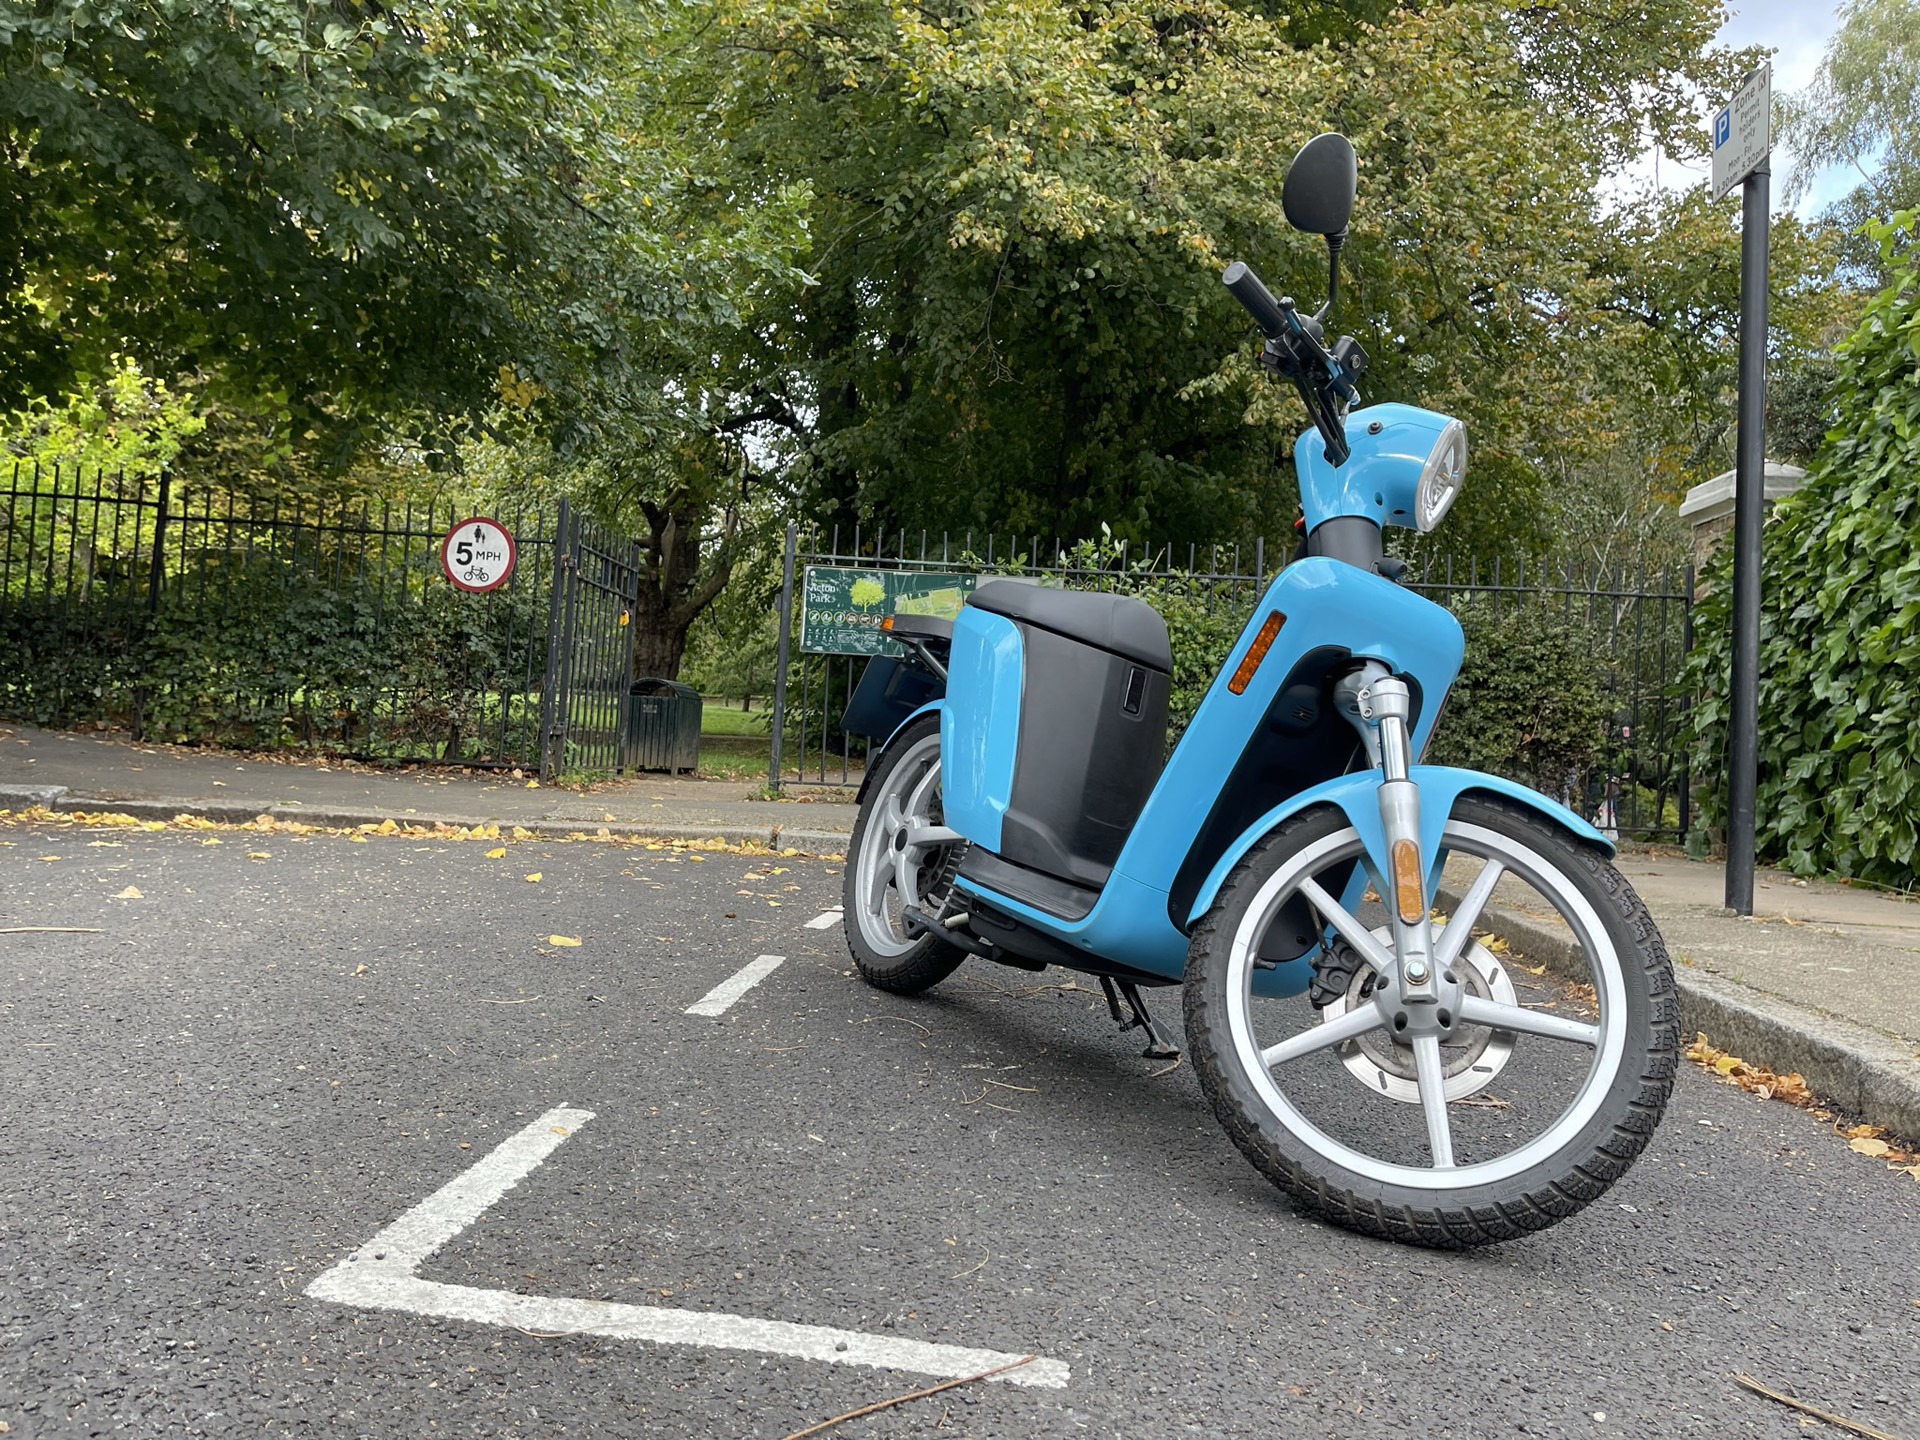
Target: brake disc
1472	1056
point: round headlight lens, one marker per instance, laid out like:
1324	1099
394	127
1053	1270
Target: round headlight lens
1441	478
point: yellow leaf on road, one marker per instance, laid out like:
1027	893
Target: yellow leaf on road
1868	1145
533	784
534	878
360	969
132	892
259	854
385	827
496	852
563	939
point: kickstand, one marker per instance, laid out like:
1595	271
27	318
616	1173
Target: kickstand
1159	1047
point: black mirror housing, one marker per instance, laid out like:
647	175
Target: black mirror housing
1320	185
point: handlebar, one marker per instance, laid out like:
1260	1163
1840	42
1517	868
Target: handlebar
1247	289
1296	347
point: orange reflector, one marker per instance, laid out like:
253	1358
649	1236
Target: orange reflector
1408	893
1256	652
887	624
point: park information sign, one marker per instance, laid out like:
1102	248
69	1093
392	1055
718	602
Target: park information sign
1743	130
477	554
841	609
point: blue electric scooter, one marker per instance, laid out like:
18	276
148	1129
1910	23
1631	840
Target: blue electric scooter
1368	1038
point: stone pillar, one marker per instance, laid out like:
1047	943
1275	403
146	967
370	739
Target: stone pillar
1709	507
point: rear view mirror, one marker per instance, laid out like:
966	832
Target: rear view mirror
1319	189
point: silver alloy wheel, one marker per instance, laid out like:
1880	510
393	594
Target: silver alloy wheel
1605	1041
903	849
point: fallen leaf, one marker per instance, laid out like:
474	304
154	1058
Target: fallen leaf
1868	1145
360	969
534	878
563	939
259	855
559	1129
132	892
496	852
533	784
385	827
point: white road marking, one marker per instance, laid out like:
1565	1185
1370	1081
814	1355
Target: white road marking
717	1000
379	1276
826	919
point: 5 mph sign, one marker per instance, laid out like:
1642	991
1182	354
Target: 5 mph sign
477	554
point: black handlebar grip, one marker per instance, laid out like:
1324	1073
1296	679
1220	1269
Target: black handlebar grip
1247	289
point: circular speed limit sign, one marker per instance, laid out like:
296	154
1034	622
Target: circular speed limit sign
477	554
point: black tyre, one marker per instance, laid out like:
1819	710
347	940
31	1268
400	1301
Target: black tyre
900	857
1535	1100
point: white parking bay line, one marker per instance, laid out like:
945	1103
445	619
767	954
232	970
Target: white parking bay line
825	920
716	1000
379	1276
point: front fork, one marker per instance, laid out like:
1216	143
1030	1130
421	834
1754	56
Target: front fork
1380	706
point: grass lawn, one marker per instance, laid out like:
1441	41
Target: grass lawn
718	717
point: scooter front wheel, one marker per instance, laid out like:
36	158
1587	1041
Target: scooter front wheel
1513	1103
899	860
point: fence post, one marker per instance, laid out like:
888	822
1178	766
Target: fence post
780	662
156	577
552	702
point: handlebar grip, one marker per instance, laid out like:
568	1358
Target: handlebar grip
1247	289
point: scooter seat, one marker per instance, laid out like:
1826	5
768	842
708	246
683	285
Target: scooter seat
1117	624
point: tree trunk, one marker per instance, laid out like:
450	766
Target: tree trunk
673	592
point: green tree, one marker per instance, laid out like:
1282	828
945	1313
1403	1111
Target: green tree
1021	211
1862	113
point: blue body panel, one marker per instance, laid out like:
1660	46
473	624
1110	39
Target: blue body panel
1380	477
980	725
1325	602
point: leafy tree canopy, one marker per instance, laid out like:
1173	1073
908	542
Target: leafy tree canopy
1021	212
1862	112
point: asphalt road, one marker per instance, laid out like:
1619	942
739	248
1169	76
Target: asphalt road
285	1042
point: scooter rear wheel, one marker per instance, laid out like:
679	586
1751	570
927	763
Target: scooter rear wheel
890	870
1527	1107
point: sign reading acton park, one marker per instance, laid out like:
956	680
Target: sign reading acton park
841	609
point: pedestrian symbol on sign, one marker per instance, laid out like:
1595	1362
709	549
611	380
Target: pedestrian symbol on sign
477	554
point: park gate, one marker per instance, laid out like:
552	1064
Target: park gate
589	674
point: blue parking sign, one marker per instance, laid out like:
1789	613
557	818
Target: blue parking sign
1723	127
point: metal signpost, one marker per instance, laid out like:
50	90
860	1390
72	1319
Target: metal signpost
477	554
1742	140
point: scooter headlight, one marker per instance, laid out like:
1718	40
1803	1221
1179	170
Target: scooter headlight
1441	478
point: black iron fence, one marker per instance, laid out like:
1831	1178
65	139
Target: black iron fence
209	617
1632	628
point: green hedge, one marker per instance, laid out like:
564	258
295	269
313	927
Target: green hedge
1839	783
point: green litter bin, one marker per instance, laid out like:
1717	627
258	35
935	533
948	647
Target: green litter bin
663	726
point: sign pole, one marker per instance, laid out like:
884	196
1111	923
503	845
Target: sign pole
1749	482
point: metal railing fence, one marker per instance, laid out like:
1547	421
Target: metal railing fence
183	613
1639	624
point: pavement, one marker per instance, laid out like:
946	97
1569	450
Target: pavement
1814	982
335	1135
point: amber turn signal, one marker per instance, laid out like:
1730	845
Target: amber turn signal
1256	652
1408	893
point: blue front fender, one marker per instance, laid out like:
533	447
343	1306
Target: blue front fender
1440	786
